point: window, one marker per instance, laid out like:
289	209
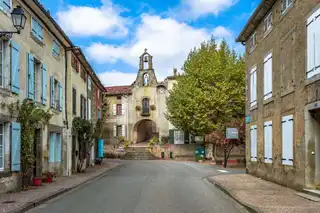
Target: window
77	66
6	5
178	137
1	147
313	44
1	63
56	94
268	22
145	106
55	48
267	75
81	106
253	142
253	87
287	140
118	97
89	83
73	61
267	141
37	84
82	71
89	109
37	29
286	4
252	42
118	130
119	109
74	101
55	147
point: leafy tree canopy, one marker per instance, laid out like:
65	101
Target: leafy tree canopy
210	92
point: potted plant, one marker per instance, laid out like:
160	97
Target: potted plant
48	176
138	108
153	107
37	181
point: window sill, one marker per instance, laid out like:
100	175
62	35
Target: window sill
267	33
36	39
286	92
145	114
5	92
267	101
254	107
311	80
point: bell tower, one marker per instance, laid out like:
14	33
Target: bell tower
145	61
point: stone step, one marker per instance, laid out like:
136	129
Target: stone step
138	155
308	196
312	192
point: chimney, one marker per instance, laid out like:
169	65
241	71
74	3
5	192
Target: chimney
175	71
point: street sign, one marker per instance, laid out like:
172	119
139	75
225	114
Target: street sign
232	133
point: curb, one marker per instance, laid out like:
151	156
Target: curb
46	198
250	208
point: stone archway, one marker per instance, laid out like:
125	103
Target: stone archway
144	130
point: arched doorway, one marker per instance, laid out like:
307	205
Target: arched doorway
144	130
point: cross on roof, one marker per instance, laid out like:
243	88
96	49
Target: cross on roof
145	50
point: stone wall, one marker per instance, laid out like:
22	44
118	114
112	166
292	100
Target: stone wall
179	151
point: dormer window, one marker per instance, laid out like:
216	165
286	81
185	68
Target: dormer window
268	22
252	42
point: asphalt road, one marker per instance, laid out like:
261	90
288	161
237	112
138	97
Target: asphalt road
148	187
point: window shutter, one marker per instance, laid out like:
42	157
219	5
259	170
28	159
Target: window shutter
311	47
85	108
34	27
317	44
114	130
123	130
89	108
60	97
122	109
287	140
15	68
81	106
253	86
39	31
6	5
52	95
267	77
268	142
253	142
114	109
30	78
99	115
52	140
16	147
44	84
58	146
171	136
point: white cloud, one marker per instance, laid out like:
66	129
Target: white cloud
166	39
193	9
102	21
117	78
221	32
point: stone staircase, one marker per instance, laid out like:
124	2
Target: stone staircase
138	153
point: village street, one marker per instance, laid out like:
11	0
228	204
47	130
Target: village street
148	187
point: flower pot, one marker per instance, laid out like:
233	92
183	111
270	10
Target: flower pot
37	181
49	179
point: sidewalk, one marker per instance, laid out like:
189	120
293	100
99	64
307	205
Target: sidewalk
262	196
25	200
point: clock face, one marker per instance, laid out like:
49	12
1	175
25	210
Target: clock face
161	90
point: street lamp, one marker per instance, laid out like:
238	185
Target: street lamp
18	19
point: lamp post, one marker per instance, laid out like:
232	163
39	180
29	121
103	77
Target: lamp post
18	20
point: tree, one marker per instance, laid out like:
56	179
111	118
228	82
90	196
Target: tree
218	137
211	90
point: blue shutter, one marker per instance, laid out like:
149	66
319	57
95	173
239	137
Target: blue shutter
52	140
16	147
100	148
99	114
39	31
15	68
30	78
52	102
60	97
34	25
44	84
6	5
58	148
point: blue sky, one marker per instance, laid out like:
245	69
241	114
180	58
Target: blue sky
114	33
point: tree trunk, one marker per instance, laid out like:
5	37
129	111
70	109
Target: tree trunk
227	155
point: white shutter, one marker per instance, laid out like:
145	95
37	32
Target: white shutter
114	130
122	109
123	130
89	109
268	142
311	46
287	140
267	77
253	86
114	109
317	44
253	142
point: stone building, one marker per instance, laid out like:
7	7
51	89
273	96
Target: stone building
282	40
